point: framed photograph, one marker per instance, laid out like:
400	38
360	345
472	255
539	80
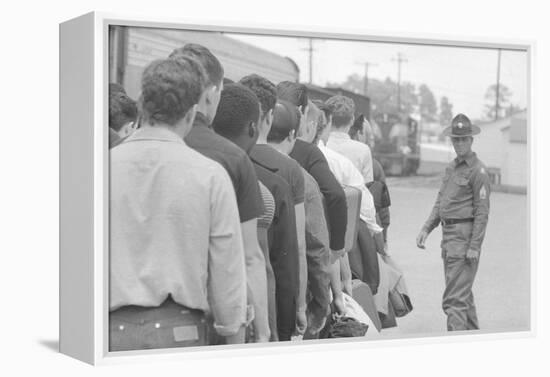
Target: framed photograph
230	189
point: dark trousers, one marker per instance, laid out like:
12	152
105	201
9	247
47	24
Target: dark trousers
166	326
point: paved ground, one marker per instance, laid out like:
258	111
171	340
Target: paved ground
502	285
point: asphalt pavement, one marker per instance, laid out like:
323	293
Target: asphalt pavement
502	286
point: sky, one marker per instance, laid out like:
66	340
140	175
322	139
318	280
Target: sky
461	74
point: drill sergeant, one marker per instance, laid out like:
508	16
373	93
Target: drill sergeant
462	208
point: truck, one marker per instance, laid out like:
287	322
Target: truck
398	147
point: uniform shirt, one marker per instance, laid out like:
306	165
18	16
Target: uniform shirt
464	193
203	139
358	153
317	245
283	248
348	175
174	229
285	167
314	162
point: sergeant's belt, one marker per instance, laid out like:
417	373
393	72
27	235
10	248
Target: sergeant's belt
445	222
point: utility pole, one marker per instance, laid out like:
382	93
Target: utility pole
497	94
400	59
310	50
366	77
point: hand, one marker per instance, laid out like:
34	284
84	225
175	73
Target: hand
339	305
301	322
421	239
472	255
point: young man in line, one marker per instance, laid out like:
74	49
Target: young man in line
275	153
237	120
203	139
314	162
282	238
343	110
123	115
173	221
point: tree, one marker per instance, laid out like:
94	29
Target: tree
503	101
383	94
445	112
426	103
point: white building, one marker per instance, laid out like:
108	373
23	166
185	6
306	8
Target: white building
502	146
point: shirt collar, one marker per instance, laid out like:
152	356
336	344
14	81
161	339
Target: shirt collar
154	133
339	135
469	160
200	120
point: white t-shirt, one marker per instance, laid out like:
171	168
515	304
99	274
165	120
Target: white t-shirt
347	175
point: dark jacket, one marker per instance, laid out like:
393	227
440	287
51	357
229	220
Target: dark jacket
311	158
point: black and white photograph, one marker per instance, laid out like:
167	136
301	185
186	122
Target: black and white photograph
288	188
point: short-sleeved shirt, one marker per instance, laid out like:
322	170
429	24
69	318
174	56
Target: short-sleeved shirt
311	158
285	167
203	139
357	152
174	222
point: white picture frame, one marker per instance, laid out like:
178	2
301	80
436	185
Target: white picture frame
84	184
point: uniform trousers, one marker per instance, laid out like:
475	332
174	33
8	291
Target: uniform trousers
458	298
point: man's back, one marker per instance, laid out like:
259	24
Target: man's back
286	168
358	153
235	161
174	222
283	248
314	162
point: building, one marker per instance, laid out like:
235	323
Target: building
131	49
502	146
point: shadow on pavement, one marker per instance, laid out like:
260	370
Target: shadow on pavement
52	345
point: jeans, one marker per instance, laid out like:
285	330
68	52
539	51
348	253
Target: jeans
166	326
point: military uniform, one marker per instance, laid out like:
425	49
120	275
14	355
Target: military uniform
462	208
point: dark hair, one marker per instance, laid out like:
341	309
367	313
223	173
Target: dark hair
357	126
323	107
211	64
343	109
227	81
238	107
286	117
122	109
169	88
116	88
293	92
264	89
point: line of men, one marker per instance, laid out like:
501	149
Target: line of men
228	215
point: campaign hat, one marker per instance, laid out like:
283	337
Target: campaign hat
461	126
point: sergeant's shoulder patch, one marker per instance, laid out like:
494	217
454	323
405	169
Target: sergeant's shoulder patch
482	170
482	193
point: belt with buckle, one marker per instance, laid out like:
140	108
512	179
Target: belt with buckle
456	221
